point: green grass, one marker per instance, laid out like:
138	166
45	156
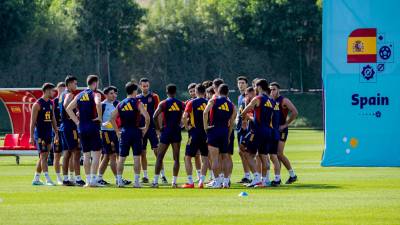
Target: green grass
322	196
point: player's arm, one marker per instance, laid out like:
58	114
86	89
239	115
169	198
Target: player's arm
70	110
185	116
146	116
34	114
254	102
97	101
113	122
155	116
232	122
209	106
54	125
293	112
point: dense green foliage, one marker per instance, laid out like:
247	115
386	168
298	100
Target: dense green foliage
179	41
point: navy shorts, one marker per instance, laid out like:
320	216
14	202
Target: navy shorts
273	146
170	135
249	142
241	133
231	143
218	137
69	137
110	142
284	134
263	140
130	138
42	142
197	142
151	135
57	147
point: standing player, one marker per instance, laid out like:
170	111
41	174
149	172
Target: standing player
171	110
57	145
263	133
242	84
197	159
42	125
88	102
129	110
150	102
109	137
69	133
285	105
193	121
221	113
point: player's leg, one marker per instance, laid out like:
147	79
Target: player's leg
285	161
245	164
105	159
162	149
120	168
137	152
226	168
213	154
95	147
38	171
176	146
57	149
197	162
44	154
76	166
273	154
143	158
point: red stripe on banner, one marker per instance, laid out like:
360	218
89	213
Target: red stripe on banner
361	58
367	32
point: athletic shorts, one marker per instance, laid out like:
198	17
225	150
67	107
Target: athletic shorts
130	138
262	138
170	135
273	146
197	142
91	140
218	137
249	142
241	133
69	136
110	142
231	143
57	147
284	134
151	136
42	142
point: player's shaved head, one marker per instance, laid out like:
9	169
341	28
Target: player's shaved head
200	89
48	86
69	79
223	89
275	84
217	82
263	84
171	89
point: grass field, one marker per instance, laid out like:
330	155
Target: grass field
322	196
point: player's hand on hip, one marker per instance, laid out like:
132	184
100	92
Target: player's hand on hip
31	141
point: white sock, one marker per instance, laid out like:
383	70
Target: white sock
291	173
71	176
46	175
198	174
202	178
145	173
36	177
268	175
100	177
137	178
58	176
88	176
256	177
65	177
277	177
212	175
174	178
156	179
78	178
226	180
162	173
265	180
247	175
94	178
119	179
190	179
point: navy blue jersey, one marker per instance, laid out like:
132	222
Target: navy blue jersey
44	118
64	117
195	109
276	121
86	106
264	111
283	111
221	112
150	103
172	110
129	113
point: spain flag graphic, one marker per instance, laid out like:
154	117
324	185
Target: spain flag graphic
361	46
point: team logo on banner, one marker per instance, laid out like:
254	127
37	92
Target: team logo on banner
361	46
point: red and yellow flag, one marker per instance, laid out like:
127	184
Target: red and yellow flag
361	46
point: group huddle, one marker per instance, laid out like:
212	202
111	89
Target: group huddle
77	122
